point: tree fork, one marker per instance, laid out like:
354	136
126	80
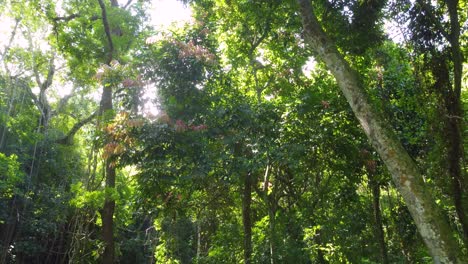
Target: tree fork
429	219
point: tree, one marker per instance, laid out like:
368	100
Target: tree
440	44
428	217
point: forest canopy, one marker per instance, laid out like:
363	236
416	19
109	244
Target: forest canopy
260	131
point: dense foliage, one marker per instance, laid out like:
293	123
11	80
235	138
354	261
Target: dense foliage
254	154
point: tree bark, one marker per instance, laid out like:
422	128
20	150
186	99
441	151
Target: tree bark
68	139
429	219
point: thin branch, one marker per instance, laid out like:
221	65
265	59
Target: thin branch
13	34
66	18
127	4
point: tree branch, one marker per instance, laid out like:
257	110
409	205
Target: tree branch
68	139
105	22
34	65
50	74
13	34
257	41
64	101
33	96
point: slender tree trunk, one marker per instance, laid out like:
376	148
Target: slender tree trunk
379	231
198	241
272	206
151	241
429	219
318	239
272	227
246	218
107	218
454	156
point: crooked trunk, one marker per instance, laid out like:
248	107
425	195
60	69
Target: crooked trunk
429	219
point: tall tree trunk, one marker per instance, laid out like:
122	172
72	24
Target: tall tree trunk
379	232
429	219
107	213
455	115
448	84
454	157
246	218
